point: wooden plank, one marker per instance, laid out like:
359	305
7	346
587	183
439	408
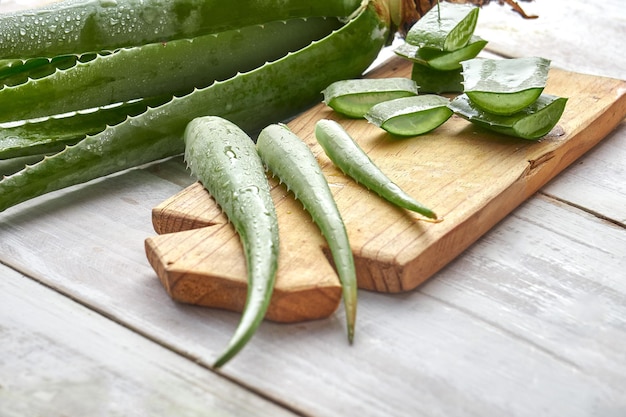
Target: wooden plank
526	323
470	177
583	37
540	264
597	182
58	358
465	342
580	36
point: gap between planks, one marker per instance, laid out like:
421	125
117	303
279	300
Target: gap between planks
157	341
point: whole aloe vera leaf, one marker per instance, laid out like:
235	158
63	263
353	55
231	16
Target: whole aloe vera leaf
252	100
348	156
175	67
291	160
226	162
79	26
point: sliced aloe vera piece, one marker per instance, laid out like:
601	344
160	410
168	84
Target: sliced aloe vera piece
533	122
505	86
410	116
436	81
447	29
353	98
441	60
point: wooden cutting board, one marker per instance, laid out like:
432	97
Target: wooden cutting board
470	177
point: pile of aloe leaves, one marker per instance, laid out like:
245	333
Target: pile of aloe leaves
502	95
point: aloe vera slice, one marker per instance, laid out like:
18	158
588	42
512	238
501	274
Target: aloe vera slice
441	60
447	28
410	116
505	86
533	122
353	98
435	81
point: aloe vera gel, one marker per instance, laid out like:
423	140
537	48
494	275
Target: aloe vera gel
353	98
506	96
410	116
533	122
505	86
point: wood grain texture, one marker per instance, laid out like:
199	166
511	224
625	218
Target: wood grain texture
471	177
62	359
598	183
527	322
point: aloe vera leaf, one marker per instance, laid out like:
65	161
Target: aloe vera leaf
447	29
435	81
343	150
225	160
36	68
272	92
17	71
291	160
79	26
195	62
52	134
505	86
410	116
532	123
10	67
353	98
13	165
441	60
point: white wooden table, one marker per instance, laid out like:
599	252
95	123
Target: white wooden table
530	321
